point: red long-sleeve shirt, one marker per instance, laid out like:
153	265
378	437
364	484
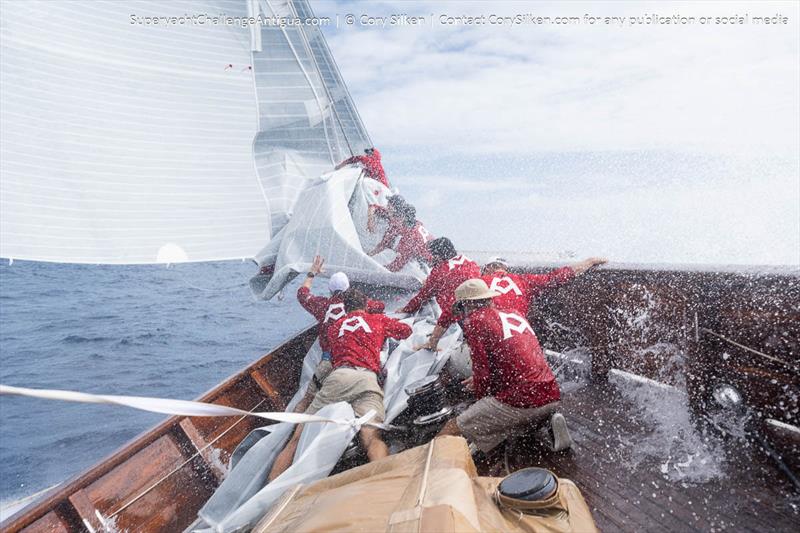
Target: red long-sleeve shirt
413	244
356	339
329	310
517	290
393	230
372	165
507	361
441	284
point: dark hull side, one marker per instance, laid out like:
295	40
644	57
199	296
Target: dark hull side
159	481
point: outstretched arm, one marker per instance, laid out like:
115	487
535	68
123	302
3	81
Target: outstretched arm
424	294
559	276
433	340
588	264
315	305
316	268
349	161
395	329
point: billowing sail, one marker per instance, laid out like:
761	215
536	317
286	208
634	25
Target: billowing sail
307	121
143	132
127	142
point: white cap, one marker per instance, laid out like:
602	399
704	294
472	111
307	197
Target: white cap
339	282
497	260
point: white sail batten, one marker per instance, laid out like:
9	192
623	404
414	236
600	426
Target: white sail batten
126	142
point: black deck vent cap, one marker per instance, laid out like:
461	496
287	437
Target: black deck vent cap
529	484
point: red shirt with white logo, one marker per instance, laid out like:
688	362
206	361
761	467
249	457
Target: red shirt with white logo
413	243
441	284
517	290
372	165
507	361
356	339
329	310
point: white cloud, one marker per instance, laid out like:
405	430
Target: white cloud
496	124
591	88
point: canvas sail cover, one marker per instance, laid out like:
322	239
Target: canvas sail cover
430	488
136	132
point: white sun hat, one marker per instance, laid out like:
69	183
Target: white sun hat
339	282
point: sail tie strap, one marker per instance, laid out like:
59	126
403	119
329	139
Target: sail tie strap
175	407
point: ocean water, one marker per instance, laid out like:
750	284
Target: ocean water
136	330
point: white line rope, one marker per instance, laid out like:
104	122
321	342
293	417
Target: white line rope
168	406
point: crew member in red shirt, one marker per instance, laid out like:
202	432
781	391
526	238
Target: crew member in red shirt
413	243
449	271
511	378
355	340
517	291
326	311
371	161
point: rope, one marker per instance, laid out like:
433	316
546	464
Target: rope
751	350
176	407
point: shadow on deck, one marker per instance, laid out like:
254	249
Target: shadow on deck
638	473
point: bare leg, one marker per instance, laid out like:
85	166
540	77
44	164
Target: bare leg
306	401
373	444
450	428
285	458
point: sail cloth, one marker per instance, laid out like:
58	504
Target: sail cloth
307	120
330	219
244	496
434	487
126	142
132	141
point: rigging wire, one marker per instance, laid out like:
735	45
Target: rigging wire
751	350
324	85
187	461
308	79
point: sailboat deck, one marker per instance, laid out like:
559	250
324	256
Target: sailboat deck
751	494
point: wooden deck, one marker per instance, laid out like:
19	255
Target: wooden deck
751	495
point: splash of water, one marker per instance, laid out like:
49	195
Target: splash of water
683	451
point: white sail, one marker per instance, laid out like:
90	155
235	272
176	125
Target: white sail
129	141
124	142
307	121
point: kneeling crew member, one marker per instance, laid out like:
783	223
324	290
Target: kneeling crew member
511	378
356	341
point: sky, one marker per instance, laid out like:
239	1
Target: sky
647	143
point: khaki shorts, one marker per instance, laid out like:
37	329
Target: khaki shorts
358	387
488	422
322	371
